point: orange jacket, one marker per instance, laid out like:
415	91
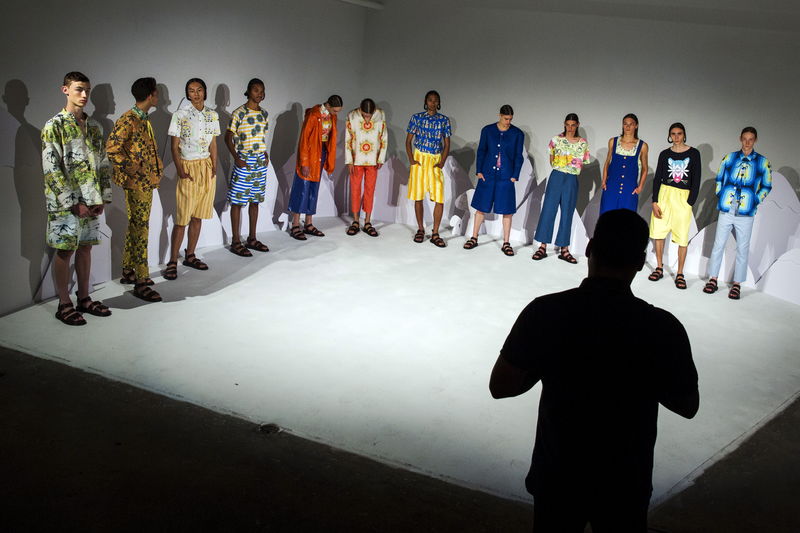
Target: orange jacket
309	148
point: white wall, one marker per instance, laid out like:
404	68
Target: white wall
304	50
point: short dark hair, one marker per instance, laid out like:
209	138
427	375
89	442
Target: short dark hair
334	100
620	238
367	106
196	80
251	84
425	101
676	125
506	109
571	116
749	129
635	119
69	77
142	88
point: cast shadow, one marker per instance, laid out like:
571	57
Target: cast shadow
534	193
284	138
705	207
461	181
160	120
792	177
395	154
28	184
102	97
590	180
222	100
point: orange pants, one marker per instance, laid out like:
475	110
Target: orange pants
369	175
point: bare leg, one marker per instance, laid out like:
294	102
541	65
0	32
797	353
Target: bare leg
177	239
61	274
357	214
252	213
309	220
438	210
681	257
660	254
506	227
295	219
419	211
83	267
476	226
367	218
194	235
236	223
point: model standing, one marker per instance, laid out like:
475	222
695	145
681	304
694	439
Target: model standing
568	153
427	147
132	150
743	182
246	140
365	154
194	151
498	163
625	168
316	150
77	185
675	188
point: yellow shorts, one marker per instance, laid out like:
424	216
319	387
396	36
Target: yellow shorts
195	197
676	215
426	177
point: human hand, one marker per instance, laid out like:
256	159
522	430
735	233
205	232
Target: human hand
513	180
440	164
96	210
379	165
80	210
414	162
657	210
266	159
182	174
239	162
304	171
350	167
480	176
637	190
604	184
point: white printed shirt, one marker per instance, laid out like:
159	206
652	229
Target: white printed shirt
196	130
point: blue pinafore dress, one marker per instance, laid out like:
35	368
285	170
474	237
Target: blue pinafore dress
623	178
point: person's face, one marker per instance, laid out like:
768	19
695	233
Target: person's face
629	126
505	120
256	93
676	135
77	92
366	116
571	126
748	141
432	102
154	98
335	110
196	93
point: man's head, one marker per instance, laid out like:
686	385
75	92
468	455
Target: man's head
145	88
618	247
748	137
76	87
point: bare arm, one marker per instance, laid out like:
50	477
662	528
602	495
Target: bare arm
608	162
176	157
445	152
212	151
508	381
232	149
643	176
410	149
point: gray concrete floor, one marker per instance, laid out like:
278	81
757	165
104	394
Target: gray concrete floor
80	452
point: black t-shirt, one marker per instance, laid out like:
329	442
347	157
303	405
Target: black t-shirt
606	360
679	170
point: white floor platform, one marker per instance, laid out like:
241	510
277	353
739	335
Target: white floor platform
384	347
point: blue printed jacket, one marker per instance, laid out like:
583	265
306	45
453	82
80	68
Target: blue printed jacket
748	177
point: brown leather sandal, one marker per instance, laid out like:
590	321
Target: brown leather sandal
68	315
96	308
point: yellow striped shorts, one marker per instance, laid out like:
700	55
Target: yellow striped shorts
426	177
195	197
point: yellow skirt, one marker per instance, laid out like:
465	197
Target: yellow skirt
195	197
426	177
676	215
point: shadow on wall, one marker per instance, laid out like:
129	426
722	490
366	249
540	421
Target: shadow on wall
705	207
28	184
285	134
102	96
792	177
464	155
395	153
222	101
160	119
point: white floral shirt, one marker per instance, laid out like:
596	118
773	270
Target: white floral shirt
196	130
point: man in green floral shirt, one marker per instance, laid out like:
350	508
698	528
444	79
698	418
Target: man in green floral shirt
77	185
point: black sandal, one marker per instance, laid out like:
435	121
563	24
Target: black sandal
471	243
171	272
142	291
657	274
311	230
438	241
736	292
255	244
711	286
354	228
370	230
507	249
239	249
566	256
191	260
129	278
68	315
297	233
96	308
539	254
680	281
419	236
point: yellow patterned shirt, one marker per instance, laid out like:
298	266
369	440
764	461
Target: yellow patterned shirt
568	157
131	147
249	128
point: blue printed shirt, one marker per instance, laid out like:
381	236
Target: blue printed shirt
747	178
429	131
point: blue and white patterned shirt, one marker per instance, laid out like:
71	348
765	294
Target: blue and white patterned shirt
747	178
429	131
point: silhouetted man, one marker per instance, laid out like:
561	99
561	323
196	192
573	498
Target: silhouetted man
606	359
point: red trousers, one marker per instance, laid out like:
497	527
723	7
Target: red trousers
369	176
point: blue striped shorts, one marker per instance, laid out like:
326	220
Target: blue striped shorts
248	183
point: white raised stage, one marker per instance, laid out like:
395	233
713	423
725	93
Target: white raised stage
384	347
